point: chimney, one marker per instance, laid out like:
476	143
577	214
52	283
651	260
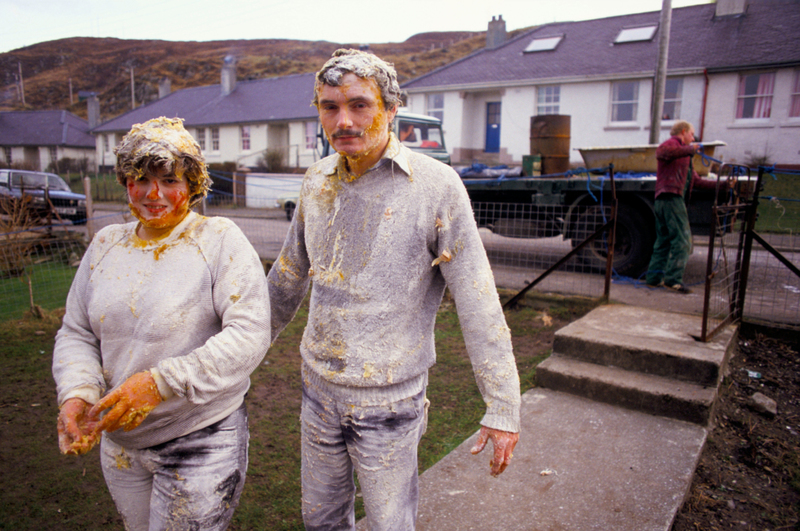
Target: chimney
496	34
164	87
726	8
93	110
228	76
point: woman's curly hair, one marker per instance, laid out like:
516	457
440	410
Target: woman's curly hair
163	143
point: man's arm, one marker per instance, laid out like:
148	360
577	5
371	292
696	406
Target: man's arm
487	337
288	278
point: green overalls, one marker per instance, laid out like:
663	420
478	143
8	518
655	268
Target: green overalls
673	239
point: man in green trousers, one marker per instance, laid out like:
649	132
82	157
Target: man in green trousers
674	178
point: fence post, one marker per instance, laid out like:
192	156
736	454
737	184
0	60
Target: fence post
87	190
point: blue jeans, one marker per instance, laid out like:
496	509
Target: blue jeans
192	482
379	442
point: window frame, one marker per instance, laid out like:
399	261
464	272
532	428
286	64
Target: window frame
677	100
435	110
200	133
757	105
554	103
244	135
215	139
794	97
617	103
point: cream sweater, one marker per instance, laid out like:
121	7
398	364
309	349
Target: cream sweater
192	306
380	250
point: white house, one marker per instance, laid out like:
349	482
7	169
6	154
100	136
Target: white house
36	139
733	71
234	121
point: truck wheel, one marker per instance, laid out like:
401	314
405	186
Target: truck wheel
289	210
632	247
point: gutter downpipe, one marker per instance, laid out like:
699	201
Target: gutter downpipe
705	100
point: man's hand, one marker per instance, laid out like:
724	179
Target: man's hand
131	402
503	442
76	433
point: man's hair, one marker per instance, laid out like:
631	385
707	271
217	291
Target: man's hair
163	143
366	66
679	127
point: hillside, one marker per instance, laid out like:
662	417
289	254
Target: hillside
103	66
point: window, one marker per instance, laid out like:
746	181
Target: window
673	91
755	96
638	34
624	101
53	153
541	44
201	138
8	155
245	134
794	108
311	135
436	105
548	99
215	139
106	143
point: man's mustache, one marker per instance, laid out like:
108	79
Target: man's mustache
347	132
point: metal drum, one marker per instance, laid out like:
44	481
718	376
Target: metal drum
550	138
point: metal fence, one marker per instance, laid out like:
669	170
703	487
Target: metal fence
520	244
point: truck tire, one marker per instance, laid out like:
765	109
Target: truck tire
632	247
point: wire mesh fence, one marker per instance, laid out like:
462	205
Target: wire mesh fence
533	238
773	288
521	240
36	269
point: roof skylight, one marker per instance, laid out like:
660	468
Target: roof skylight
541	44
637	34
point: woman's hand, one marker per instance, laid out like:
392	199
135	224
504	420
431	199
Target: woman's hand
76	427
130	403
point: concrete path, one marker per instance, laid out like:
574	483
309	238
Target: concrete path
580	465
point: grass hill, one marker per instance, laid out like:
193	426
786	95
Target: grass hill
53	71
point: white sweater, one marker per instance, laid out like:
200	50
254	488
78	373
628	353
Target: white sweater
369	246
194	306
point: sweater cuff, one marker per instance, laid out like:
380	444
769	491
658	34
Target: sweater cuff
87	393
164	389
504	417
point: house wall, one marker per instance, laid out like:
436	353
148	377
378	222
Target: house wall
588	103
39	157
287	136
775	137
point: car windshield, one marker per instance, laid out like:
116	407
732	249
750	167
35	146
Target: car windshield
421	135
38	180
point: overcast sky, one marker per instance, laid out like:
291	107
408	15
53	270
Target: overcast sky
27	22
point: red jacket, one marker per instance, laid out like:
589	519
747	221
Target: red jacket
673	167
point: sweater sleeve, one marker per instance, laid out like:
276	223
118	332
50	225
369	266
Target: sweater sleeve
673	149
241	300
77	362
486	334
288	278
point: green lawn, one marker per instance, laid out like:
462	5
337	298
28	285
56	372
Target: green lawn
43	490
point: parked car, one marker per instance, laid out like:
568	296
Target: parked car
37	187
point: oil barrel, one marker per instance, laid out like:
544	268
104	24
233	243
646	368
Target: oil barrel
550	134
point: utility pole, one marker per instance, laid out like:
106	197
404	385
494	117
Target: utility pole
21	85
133	93
660	81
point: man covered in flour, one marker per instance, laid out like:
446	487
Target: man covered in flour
379	233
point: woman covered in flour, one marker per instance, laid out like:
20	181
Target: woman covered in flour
171	314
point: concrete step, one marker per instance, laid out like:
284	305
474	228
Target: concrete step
646	341
632	390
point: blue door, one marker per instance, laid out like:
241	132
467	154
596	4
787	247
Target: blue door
493	127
